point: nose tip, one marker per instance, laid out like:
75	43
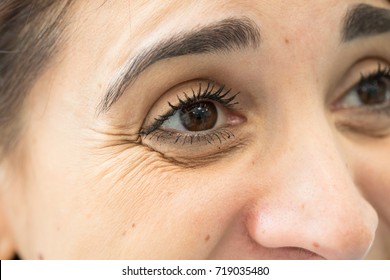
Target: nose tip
354	233
308	198
339	233
314	206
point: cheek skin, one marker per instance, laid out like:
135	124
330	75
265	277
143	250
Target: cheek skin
377	186
130	203
154	204
371	174
183	209
189	210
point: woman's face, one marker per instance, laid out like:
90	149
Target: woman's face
137	145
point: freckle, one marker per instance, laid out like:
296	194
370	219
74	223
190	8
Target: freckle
58	228
124	233
303	206
40	257
287	41
207	238
316	245
133	225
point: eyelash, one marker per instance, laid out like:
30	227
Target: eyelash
220	96
208	94
380	73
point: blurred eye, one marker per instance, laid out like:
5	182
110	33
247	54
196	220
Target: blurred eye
200	116
371	91
365	108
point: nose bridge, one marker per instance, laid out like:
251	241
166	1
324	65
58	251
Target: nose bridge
313	203
309	155
313	157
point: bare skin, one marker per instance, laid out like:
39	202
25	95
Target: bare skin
297	169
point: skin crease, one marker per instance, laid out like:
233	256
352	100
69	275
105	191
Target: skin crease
297	186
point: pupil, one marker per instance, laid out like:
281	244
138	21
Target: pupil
373	92
199	116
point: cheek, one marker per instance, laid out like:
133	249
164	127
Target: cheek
139	206
181	213
374	178
376	184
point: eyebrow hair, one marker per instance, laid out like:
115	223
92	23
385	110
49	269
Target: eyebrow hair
222	36
365	20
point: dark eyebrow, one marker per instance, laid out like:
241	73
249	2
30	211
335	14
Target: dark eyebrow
222	36
365	20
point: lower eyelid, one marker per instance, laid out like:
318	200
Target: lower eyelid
199	154
183	138
195	161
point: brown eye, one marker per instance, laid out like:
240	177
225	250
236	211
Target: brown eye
199	116
373	92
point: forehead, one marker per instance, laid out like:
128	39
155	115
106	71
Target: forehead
104	34
144	19
130	25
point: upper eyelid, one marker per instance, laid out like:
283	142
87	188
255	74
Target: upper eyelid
352	76
374	74
227	35
381	71
218	95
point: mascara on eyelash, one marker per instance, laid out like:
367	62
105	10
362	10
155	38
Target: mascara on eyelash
202	95
379	73
217	136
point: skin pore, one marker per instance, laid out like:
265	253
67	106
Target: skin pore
296	167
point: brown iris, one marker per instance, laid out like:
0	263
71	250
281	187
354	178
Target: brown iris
199	116
373	92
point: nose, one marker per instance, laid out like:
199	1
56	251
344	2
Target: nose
311	201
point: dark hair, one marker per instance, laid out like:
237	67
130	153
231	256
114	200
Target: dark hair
29	34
